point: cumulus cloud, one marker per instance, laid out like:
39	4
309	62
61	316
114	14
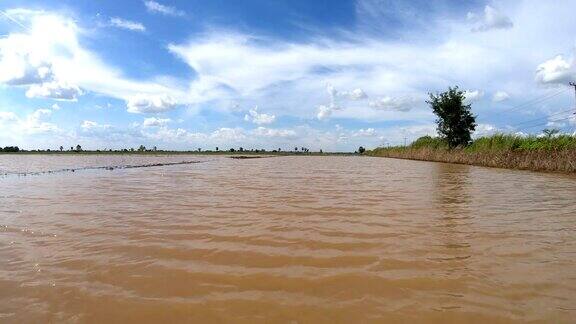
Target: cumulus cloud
7	116
91	125
155	7
270	132
54	90
156	122
36	122
143	103
556	71
500	96
368	132
127	24
356	94
259	118
20	69
228	134
396	104
490	19
473	95
48	58
485	130
170	135
325	111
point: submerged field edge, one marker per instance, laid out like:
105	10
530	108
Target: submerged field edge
563	161
108	167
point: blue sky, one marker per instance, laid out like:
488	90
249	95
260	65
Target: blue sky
329	75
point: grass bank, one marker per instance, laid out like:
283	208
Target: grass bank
553	154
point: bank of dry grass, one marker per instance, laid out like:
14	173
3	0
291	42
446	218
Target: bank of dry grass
556	154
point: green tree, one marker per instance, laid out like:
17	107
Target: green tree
455	120
78	148
361	150
142	148
61	148
549	133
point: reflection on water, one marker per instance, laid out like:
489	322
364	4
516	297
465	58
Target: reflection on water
284	240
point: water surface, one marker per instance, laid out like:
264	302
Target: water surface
283	240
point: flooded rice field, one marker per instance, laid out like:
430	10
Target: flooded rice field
282	240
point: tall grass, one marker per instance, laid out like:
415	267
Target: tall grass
503	142
557	153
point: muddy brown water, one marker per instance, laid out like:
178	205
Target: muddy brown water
283	240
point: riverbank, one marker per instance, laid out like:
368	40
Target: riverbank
554	154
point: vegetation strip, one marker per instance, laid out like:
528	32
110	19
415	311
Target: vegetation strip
149	165
244	157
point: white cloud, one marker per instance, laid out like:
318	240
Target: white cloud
177	135
356	94
485	130
142	103
33	123
18	69
259	119
36	122
48	57
491	19
396	104
228	134
55	107
7	116
155	7
324	112
156	122
500	96
127	24
55	90
473	95
270	132
368	132
92	125
556	70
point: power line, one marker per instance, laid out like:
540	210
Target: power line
573	84
543	124
534	101
541	118
547	118
15	21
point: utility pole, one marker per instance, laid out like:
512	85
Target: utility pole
573	84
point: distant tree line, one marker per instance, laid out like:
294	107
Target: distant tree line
78	148
10	149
